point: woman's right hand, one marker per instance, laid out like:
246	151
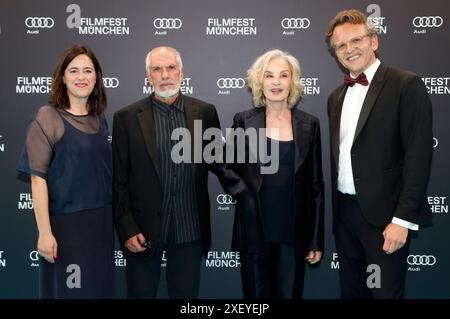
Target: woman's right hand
48	247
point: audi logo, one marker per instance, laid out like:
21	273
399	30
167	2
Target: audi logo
421	260
230	83
34	256
39	22
435	142
225	199
295	23
111	83
422	22
167	23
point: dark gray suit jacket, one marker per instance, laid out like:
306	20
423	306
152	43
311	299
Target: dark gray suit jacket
137	192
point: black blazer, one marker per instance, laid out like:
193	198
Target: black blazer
137	192
392	148
308	186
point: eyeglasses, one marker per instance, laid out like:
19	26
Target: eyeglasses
354	42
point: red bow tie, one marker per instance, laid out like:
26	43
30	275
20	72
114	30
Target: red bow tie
361	79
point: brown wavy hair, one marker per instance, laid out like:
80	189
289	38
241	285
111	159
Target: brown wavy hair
351	16
58	96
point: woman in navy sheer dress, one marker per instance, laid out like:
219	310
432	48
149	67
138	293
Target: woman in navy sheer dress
68	156
285	229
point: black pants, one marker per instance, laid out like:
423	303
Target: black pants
182	272
274	275
359	245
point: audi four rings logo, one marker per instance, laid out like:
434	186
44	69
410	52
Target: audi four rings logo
230	83
225	199
422	22
167	23
295	23
421	260
34	256
111	83
39	22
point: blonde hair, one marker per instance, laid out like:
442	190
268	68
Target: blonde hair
255	77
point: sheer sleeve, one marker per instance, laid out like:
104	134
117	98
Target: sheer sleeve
43	133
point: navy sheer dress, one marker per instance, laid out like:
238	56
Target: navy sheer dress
73	154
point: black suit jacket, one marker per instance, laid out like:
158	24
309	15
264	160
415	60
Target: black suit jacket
137	191
308	186
392	148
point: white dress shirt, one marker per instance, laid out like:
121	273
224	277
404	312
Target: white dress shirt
351	109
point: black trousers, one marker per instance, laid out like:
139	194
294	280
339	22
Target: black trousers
182	272
274	275
360	251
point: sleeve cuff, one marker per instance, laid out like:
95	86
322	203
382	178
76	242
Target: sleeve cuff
404	223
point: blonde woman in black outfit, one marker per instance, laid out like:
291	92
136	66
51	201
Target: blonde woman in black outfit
286	228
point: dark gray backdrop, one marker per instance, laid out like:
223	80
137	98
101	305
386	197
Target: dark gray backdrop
414	35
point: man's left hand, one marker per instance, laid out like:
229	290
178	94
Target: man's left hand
394	237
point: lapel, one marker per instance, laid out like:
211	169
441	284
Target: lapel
192	113
258	121
147	124
335	121
374	90
302	138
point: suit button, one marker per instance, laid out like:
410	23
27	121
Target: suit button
357	179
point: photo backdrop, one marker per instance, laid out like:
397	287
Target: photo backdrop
218	41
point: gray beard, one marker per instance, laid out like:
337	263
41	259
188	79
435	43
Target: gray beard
167	93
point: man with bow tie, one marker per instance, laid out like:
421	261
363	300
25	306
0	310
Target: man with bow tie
381	149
